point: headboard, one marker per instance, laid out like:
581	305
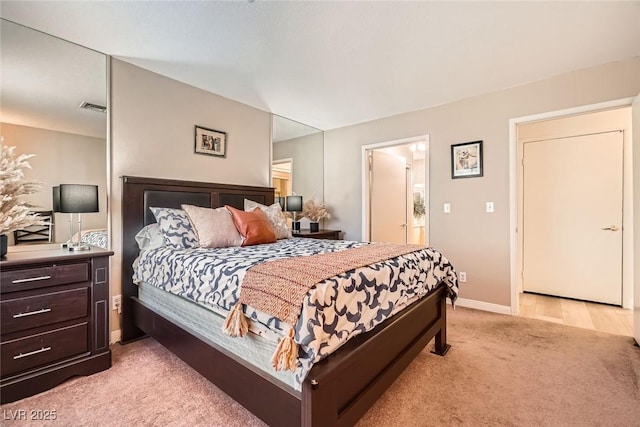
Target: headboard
138	194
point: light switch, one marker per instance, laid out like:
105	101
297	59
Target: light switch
489	207
447	208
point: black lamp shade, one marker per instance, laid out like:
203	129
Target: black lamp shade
56	199
280	201
78	198
294	203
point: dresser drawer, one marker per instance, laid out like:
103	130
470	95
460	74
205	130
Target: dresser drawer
29	278
40	310
36	350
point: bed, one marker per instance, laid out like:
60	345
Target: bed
95	237
337	390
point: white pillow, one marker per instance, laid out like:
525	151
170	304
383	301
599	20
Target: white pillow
274	214
214	228
150	237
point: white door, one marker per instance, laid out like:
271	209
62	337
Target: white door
388	197
572	217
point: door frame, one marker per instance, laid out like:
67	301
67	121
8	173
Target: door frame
514	191
365	179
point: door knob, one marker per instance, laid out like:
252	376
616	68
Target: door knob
611	228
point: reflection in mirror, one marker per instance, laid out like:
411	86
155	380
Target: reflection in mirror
44	82
298	160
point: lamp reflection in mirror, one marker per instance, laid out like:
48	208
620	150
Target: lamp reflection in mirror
280	201
56	208
294	205
76	198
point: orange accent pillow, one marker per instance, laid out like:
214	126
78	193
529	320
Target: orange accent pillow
254	226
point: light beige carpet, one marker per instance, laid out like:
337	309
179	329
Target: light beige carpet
501	371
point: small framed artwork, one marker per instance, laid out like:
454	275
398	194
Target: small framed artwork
466	160
211	142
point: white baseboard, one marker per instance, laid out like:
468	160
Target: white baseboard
485	306
115	336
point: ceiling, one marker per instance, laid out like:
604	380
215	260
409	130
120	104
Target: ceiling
44	81
332	64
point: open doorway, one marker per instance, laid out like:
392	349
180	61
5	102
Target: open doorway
565	202
282	177
395	191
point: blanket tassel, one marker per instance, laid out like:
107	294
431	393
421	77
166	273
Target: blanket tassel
286	355
235	324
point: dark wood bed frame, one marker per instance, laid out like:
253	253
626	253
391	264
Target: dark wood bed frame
338	390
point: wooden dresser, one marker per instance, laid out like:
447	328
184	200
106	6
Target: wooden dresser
54	310
322	234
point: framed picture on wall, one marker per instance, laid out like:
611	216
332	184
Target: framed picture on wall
211	142
466	160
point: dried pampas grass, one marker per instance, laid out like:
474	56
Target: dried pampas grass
14	212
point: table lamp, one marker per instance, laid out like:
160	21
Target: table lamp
294	205
77	198
56	208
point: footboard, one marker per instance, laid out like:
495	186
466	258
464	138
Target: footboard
340	389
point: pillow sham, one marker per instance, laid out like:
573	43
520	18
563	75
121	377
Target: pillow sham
274	215
254	226
175	225
150	237
214	228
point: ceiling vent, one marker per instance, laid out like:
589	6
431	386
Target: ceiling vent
93	107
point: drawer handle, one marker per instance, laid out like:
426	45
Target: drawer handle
32	279
31	313
31	353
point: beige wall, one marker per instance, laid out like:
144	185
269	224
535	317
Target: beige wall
476	242
152	135
62	158
306	153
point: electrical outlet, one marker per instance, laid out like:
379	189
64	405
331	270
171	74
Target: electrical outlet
462	276
447	208
116	303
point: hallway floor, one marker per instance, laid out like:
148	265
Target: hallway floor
587	315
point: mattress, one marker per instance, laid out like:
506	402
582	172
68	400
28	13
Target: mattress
204	323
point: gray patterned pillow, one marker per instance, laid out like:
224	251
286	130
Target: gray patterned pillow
150	237
275	216
175	225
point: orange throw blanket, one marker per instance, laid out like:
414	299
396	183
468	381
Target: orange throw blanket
278	288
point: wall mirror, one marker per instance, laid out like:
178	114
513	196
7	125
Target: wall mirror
45	80
298	160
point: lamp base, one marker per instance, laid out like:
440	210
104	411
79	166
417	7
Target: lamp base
295	226
77	247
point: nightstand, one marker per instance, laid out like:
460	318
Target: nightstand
54	308
322	234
